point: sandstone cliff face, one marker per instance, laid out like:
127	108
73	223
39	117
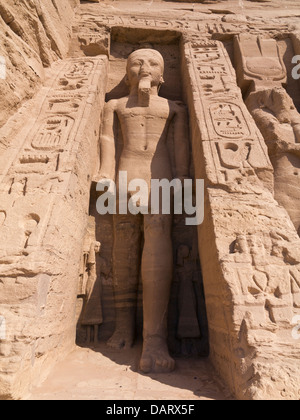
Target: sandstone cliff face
33	34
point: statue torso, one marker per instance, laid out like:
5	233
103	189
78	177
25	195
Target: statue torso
145	130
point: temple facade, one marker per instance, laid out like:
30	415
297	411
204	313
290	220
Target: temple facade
224	109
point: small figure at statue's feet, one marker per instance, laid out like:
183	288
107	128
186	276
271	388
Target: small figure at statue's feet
121	339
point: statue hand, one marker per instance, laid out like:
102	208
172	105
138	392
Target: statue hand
103	176
297	132
105	183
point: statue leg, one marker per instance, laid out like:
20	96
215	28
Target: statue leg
126	273
157	270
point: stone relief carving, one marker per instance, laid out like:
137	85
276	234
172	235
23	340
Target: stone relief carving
76	76
279	122
2	218
188	333
48	143
258	61
53	134
220	30
275	114
243	159
228	121
89	289
188	325
27	234
273	286
18	186
30	225
65	104
260	277
45	176
35	168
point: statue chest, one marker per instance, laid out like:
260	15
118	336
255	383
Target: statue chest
153	113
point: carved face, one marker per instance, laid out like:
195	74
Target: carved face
147	64
97	247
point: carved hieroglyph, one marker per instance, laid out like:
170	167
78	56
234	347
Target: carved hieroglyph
39	164
230	140
45	179
258	61
90	19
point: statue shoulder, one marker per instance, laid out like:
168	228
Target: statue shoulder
111	104
115	104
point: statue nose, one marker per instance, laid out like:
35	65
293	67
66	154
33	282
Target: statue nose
145	67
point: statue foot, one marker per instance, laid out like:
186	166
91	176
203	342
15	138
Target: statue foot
156	357
121	339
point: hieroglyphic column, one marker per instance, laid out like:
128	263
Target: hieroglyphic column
46	174
248	246
231	141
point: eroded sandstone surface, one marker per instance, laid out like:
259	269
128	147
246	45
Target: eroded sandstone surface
233	283
33	34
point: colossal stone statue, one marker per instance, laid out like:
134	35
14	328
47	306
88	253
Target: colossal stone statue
279	121
145	120
262	76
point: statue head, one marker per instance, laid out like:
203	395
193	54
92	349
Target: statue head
97	247
145	64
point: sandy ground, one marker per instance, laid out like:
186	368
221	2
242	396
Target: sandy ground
102	374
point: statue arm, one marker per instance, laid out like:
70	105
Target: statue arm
181	142
296	128
107	143
277	140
